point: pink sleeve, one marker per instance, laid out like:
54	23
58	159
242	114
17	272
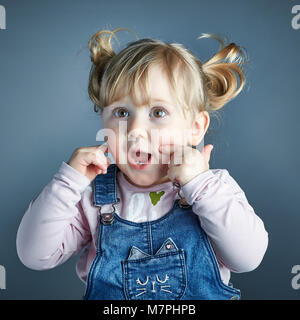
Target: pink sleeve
54	227
236	233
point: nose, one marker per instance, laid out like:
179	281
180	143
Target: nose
137	128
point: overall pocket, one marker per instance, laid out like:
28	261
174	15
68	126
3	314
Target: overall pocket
155	277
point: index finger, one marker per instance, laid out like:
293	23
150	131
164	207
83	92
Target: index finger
103	147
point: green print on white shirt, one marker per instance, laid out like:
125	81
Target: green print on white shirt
155	197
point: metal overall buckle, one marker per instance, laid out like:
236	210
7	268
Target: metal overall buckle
182	202
107	218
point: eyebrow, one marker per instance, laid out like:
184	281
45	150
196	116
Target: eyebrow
152	100
160	100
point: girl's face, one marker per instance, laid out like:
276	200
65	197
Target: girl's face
145	128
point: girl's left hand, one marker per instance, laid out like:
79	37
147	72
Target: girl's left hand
185	162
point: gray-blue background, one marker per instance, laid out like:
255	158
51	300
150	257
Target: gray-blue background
46	114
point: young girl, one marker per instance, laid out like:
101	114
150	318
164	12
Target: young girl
158	223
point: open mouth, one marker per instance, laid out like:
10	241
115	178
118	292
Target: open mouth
139	160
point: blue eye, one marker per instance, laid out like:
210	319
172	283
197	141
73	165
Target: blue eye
158	112
120	113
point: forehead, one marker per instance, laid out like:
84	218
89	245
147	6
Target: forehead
158	86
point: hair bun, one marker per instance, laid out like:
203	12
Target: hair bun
100	46
224	72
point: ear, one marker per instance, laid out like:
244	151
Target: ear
200	124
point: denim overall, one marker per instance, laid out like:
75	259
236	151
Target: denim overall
166	259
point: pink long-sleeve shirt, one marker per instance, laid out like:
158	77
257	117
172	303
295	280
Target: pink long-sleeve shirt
62	220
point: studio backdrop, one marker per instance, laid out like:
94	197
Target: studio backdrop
46	113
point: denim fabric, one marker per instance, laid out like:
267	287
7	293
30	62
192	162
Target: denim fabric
166	259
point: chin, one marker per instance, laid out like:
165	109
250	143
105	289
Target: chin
142	181
156	175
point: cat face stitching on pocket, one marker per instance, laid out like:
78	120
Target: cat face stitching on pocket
158	281
158	276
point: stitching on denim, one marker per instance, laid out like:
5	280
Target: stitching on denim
137	250
166	242
153	284
144	290
162	281
164	288
184	272
140	282
150	238
89	285
171	253
125	280
161	288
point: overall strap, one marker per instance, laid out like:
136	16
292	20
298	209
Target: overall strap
105	187
105	192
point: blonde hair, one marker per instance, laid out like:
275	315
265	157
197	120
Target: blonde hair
206	86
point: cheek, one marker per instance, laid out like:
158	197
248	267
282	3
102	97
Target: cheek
173	136
117	144
111	135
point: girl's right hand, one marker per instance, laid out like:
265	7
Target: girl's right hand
90	161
